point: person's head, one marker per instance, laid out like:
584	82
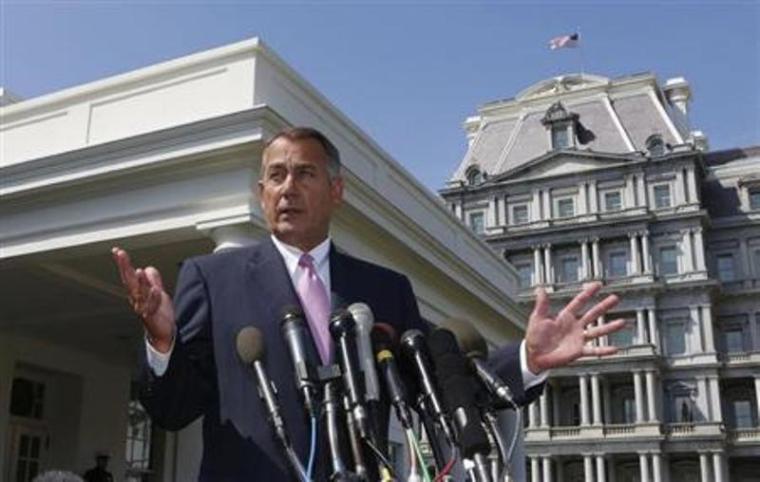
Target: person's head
300	186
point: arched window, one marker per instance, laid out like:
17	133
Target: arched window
561	125
474	176
655	146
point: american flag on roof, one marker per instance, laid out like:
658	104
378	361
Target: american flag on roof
565	41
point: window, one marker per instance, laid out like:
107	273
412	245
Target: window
675	338
684	412
569	269
726	271
629	410
560	137
622	337
520	214
734	339
668	260
565	208
477	222
655	145
617	264
662	196
525	274
27	398
613	201
754	198
474	176
742	411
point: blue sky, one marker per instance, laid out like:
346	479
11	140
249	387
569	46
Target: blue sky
409	73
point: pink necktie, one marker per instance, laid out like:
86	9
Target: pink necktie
316	305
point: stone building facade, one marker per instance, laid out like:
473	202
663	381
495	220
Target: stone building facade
583	178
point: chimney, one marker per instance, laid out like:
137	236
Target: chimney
678	93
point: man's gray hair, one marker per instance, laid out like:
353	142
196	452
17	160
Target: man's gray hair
300	133
58	476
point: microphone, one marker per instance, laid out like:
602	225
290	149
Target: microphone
414	349
364	319
295	332
475	348
343	332
384	341
457	386
250	349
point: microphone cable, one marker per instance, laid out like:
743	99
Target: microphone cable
416	447
447	468
312	450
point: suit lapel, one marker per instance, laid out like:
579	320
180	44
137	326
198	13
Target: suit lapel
340	279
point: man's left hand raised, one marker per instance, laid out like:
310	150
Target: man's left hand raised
552	342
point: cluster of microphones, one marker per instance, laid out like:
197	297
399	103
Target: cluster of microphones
439	383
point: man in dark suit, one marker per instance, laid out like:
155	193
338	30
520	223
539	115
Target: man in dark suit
192	369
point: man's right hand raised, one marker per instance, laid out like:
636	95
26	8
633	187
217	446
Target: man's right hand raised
146	295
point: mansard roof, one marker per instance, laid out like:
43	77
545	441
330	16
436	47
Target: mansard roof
620	113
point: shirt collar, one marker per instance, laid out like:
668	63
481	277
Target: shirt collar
291	254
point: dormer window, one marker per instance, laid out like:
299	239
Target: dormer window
561	125
655	146
474	176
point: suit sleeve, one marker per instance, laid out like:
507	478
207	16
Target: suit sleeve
185	390
506	362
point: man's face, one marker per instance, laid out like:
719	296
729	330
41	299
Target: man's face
296	192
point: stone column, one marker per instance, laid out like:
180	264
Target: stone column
544	408
707	324
548	204
715	399
691	184
593	197
639	396
501	206
635	264
585	260
696	330
704	467
688	260
538	270
602	340
746	263
547	468
651	393
532	415
717	466
654	335
600	472
595	258
491	216
645	252
657	467
699	249
641	337
703	400
535	470
535	208
596	399
642	190
679	197
582	207
757	392
644	467
588	468
549	275
629	195
458	211
583	388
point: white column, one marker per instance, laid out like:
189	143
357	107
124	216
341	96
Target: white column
593	197
745	262
547	468
602	340
595	258
538	271
657	467
547	204
535	208
718	467
699	249
703	400
651	392
707	324
635	265
629	195
646	255
585	260
688	257
583	388
491	218
643	467
639	395
642	190
549	276
641	337
544	409
679	197
704	467
757	392
582	207
696	330
532	414
588	468
600	474
654	335
715	399
535	470
691	183
458	211
595	398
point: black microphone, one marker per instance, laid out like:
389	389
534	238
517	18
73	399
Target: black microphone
475	348
250	349
296	332
458	389
415	350
364	319
384	342
343	332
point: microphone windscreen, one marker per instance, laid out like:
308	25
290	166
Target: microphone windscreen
250	345
470	341
383	337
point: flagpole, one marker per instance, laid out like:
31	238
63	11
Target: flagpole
580	49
